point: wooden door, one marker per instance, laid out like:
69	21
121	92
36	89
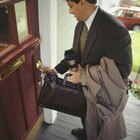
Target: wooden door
19	78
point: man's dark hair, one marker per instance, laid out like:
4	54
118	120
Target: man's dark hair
90	1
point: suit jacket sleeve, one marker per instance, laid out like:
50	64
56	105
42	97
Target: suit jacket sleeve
120	51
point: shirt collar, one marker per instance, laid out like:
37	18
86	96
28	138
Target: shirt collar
89	21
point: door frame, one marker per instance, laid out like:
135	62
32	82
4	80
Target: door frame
48	36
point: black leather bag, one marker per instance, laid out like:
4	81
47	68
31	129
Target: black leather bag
62	95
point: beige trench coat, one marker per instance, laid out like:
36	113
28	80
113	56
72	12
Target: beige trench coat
106	99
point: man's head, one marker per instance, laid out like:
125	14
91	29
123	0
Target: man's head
81	9
90	1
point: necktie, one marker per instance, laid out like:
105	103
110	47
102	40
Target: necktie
83	38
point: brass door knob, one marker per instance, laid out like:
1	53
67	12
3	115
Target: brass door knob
39	65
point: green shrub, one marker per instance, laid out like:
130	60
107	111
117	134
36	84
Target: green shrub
136	50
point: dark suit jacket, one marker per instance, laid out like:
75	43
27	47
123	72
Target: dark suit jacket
107	37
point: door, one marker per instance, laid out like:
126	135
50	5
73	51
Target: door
20	81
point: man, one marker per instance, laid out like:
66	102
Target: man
106	36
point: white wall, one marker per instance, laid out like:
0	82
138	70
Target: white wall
48	31
56	34
105	4
48	36
65	28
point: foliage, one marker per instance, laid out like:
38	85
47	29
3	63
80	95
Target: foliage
135	89
135	50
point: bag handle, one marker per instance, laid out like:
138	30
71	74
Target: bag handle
65	78
53	78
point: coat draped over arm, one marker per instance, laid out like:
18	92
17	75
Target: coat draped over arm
106	99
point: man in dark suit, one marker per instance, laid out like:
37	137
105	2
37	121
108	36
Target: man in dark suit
106	36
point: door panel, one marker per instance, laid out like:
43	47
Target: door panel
12	106
19	93
4	131
27	80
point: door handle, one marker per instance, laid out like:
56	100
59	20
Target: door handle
39	66
40	75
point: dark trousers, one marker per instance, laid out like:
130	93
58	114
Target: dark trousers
84	108
83	120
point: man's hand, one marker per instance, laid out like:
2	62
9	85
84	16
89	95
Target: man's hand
75	75
47	70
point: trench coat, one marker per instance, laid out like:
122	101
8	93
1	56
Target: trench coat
106	99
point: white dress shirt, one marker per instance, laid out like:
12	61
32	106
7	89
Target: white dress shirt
89	21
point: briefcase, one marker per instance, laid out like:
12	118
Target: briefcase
61	95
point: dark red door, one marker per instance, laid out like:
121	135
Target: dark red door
19	78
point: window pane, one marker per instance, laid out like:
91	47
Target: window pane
21	17
4	29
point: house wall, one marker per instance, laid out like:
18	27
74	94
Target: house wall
65	28
48	43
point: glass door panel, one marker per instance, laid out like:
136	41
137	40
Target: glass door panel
4	29
21	18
